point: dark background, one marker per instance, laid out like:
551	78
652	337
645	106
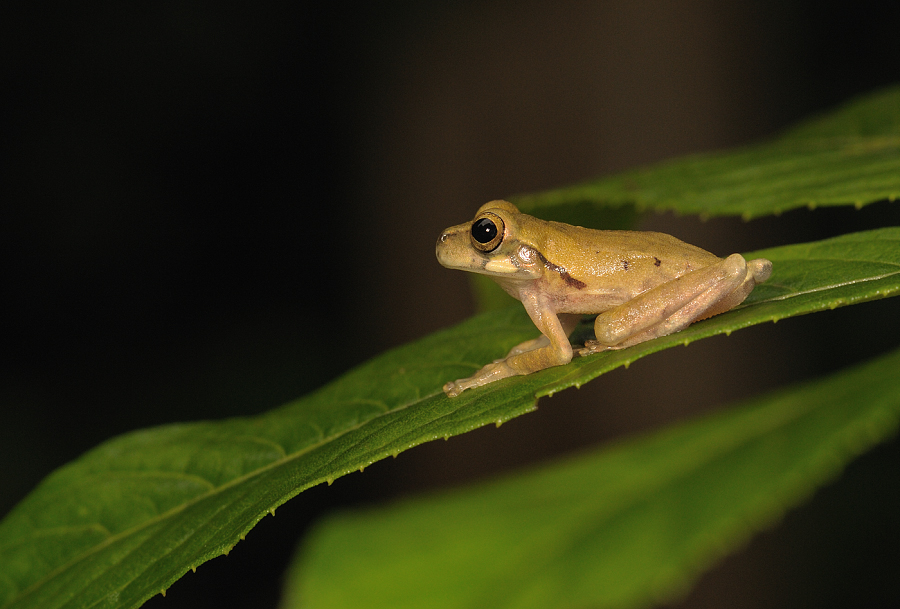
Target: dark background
210	208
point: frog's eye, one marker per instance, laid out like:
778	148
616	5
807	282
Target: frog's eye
487	232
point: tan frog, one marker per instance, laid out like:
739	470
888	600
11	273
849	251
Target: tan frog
641	285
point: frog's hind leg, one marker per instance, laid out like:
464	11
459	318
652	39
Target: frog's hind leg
674	305
758	270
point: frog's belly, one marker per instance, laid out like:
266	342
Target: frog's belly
591	303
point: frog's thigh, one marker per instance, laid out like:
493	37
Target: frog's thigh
674	305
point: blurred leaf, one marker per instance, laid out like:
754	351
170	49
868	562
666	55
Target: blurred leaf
619	527
851	156
127	519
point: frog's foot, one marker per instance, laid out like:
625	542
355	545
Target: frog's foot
453	388
591	347
490	373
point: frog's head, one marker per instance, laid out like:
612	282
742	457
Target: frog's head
489	244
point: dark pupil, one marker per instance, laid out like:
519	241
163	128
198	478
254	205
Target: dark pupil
484	230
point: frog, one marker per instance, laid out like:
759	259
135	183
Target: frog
640	285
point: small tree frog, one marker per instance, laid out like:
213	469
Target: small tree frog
641	285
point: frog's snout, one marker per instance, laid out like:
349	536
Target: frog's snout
449	248
441	245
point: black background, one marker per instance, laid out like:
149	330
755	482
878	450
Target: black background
211	208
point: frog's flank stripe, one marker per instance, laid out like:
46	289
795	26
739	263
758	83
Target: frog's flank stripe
570	281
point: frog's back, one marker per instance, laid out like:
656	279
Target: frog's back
599	257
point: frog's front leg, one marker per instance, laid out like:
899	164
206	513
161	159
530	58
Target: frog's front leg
674	305
568	321
552	348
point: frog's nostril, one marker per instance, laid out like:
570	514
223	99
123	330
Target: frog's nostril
444	237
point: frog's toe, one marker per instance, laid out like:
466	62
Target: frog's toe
591	347
452	389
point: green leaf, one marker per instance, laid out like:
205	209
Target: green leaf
851	156
619	527
127	519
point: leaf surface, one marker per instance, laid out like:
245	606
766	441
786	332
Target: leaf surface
848	157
